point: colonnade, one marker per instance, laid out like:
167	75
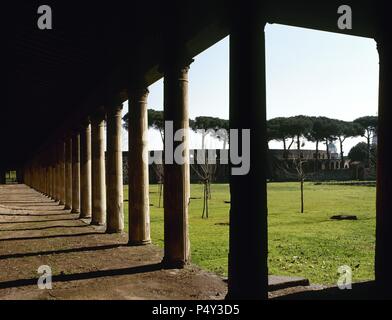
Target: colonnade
76	171
73	170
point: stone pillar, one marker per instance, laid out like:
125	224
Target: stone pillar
54	168
98	169
85	171
248	247
176	175
48	184
383	257
114	171
139	203
68	173
2	176
76	172
62	172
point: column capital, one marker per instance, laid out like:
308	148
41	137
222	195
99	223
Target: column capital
138	92
181	64
98	115
85	122
114	108
113	102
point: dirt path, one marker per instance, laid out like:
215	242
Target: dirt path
86	263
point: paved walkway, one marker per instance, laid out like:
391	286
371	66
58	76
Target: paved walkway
86	263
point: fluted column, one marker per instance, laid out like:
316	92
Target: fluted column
98	169
85	171
114	171
76	172
139	203
68	173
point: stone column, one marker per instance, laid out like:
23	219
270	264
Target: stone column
62	172
2	176
54	168
248	247
114	171
138	179
98	169
85	171
49	177
383	257
68	173
76	172
176	174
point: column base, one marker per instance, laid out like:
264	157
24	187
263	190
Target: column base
173	264
112	231
75	211
67	207
95	223
139	242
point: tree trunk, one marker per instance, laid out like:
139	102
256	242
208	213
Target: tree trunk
341	149
205	201
302	195
160	193
317	155
368	145
328	155
203	137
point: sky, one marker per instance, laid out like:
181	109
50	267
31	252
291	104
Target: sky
308	72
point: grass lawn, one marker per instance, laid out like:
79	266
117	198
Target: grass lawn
309	245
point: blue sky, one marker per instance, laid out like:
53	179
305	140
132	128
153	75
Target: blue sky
309	72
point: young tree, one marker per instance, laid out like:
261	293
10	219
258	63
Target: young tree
205	170
298	164
369	127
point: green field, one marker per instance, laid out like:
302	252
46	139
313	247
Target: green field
309	245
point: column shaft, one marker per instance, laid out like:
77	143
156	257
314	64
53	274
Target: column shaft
114	172
76	173
62	172
248	248
176	175
383	257
98	170
139	203
68	173
85	171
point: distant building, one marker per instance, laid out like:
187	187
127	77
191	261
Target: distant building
305	154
